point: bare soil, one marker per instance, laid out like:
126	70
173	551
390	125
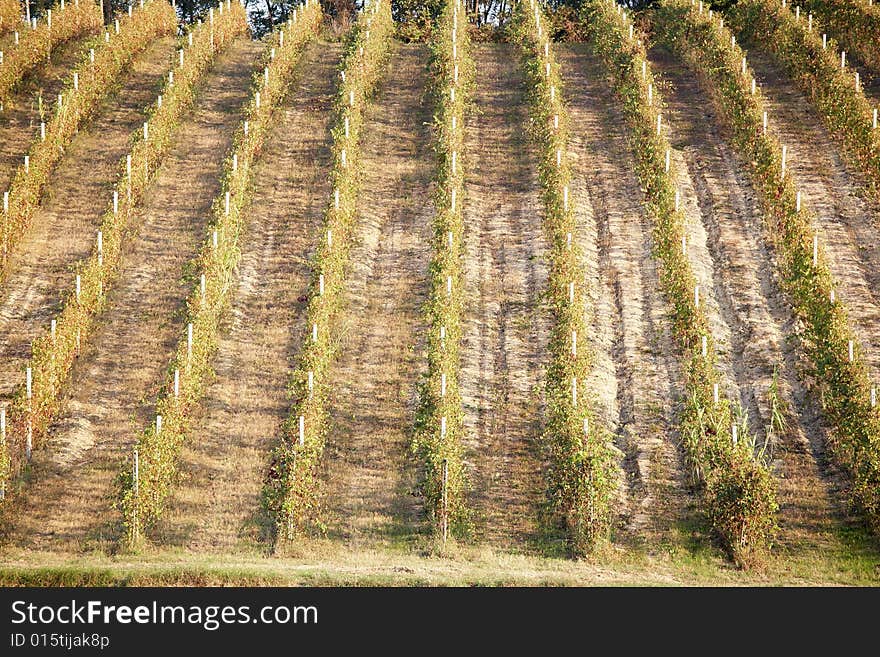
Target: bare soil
68	502
835	191
63	229
217	502
370	480
20	118
636	376
750	317
506	322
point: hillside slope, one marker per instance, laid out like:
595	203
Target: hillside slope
505	328
217	502
68	504
370	480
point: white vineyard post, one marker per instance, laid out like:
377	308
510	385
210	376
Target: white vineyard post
445	495
29	384
176	382
189	343
302	430
136	475
815	249
715	393
705	346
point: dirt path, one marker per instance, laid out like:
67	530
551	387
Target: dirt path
68	503
370	480
217	503
725	227
20	118
833	189
506	327
63	229
636	373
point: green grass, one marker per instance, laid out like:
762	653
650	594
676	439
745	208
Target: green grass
686	560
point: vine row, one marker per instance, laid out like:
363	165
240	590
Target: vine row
838	373
146	485
439	426
814	62
583	474
738	493
90	84
53	354
291	491
64	22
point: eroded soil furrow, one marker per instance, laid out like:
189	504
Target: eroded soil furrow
847	219
68	504
636	376
757	320
506	325
370	481
217	502
63	230
20	118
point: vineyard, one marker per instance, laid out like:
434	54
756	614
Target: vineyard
592	300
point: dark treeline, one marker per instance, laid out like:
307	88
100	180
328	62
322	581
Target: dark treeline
264	14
